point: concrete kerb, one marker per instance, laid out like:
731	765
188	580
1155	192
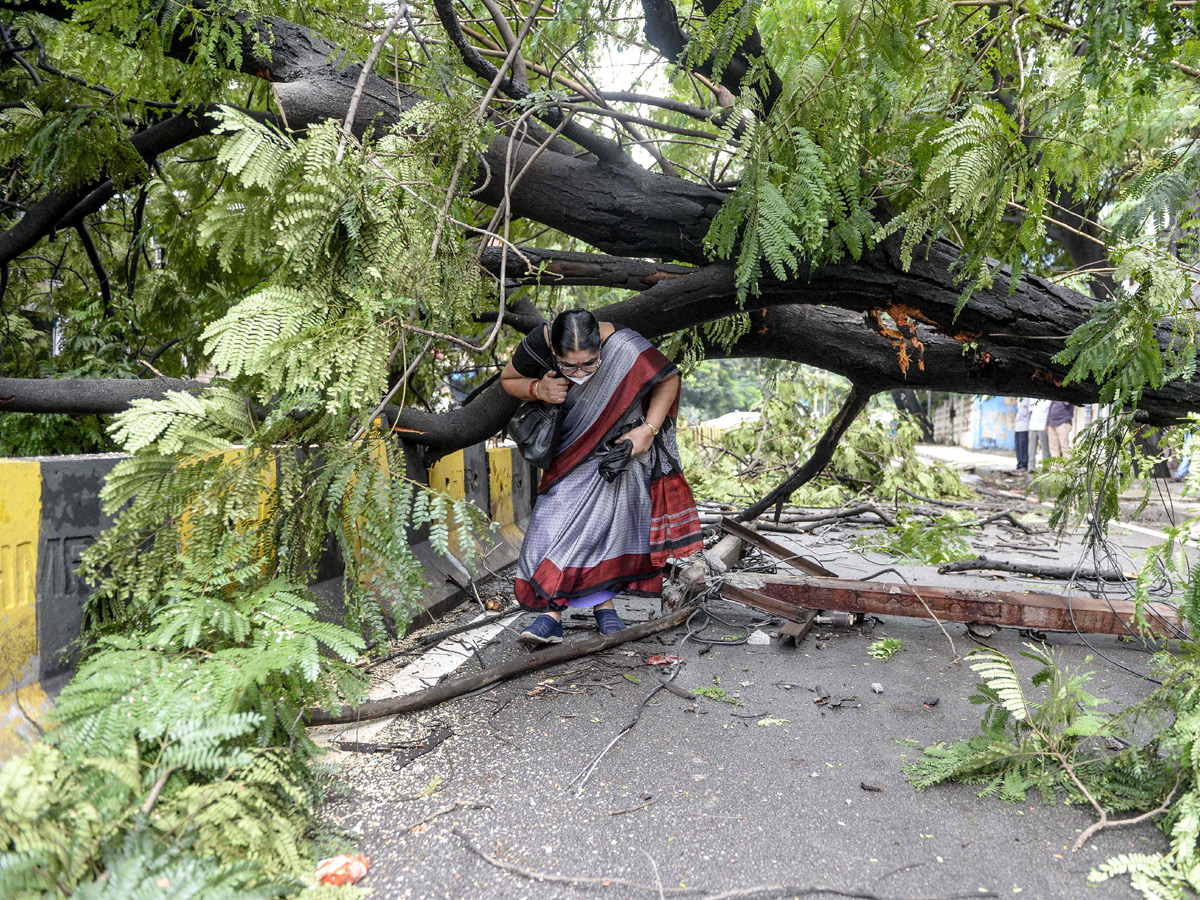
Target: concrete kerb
50	514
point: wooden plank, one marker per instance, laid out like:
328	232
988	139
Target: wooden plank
775	549
785	595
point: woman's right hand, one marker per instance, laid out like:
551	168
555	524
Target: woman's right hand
552	388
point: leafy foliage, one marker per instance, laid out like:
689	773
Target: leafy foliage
178	750
1052	746
300	271
914	539
885	648
1028	744
1118	346
1107	460
877	454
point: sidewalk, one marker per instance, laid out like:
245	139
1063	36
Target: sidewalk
961	458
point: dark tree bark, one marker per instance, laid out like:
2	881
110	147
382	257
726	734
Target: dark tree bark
562	268
58	209
85	396
835	340
666	35
906	399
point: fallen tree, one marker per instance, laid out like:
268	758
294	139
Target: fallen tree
457	687
910	333
311	212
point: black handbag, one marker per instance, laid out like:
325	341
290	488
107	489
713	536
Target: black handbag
535	428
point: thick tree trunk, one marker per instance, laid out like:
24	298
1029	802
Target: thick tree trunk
831	339
84	396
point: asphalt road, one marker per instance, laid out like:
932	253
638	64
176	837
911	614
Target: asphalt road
766	790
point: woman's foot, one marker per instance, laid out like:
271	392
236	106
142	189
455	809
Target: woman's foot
608	622
542	631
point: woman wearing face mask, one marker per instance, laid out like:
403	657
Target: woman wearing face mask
590	539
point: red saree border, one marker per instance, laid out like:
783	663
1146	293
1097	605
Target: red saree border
631	573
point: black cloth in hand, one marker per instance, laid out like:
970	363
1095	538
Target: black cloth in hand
617	454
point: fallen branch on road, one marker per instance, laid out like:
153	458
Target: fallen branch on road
547	878
428	640
757	892
456	687
453	807
1005	516
1062	573
765	891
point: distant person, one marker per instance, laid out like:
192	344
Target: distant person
1059	420
1021	434
1039	412
1185	457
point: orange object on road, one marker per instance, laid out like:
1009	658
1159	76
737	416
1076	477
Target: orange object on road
342	869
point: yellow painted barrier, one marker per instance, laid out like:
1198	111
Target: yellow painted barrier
500	487
20	514
49	514
500	491
448	477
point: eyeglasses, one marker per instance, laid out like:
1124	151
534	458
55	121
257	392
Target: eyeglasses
586	369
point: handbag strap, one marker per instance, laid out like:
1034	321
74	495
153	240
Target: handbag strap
525	340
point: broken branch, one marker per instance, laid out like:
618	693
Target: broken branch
1062	573
456	687
547	878
856	401
1104	822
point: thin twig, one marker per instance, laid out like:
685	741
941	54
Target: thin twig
156	790
620	812
1104	822
368	64
25	714
403	380
657	877
586	773
456	805
577	881
763	891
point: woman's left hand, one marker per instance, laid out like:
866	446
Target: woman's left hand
641	438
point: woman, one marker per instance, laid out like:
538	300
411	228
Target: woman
590	539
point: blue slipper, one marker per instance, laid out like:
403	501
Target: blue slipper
542	631
608	622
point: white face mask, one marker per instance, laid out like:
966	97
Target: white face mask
580	379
